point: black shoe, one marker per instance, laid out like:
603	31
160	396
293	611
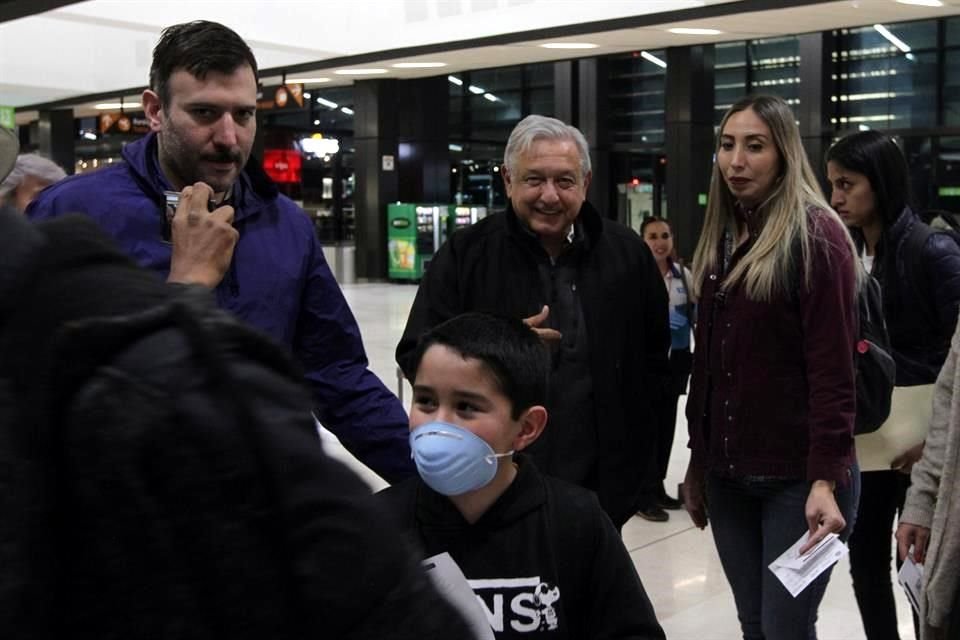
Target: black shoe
666	502
653	513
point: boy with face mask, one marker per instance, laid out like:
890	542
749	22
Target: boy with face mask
540	554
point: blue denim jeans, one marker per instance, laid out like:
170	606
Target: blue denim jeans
753	522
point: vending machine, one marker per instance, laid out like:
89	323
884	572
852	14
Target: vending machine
414	233
464	215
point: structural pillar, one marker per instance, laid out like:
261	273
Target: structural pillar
689	141
375	141
815	108
591	118
56	137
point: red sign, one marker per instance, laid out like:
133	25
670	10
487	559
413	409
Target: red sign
283	165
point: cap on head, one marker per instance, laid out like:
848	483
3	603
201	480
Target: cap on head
9	147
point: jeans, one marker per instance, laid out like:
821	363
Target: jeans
753	522
881	498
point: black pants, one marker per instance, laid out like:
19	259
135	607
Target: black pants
666	415
881	500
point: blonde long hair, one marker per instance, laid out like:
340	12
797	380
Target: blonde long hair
765	269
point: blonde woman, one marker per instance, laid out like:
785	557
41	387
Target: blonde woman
772	394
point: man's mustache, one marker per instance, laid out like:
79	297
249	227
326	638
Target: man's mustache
224	156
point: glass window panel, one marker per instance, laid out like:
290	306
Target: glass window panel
539	75
888	90
951	88
953	32
948	174
636	98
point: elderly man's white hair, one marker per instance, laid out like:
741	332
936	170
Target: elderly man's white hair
31	164
535	127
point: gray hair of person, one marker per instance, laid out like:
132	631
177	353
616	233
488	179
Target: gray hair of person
533	128
31	164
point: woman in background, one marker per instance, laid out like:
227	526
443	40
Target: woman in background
658	235
919	274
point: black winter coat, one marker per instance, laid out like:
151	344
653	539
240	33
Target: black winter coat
493	267
161	476
921	315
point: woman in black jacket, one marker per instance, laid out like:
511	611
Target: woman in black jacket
919	272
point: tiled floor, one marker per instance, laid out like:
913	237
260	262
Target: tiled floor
677	563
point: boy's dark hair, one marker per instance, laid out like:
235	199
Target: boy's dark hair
878	158
197	47
510	351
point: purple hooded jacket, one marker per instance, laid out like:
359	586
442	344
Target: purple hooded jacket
278	282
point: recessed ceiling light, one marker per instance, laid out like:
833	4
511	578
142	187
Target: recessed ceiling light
455	80
307	80
922	3
359	72
693	31
569	45
114	105
418	65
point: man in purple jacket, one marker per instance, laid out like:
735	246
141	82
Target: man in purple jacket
255	248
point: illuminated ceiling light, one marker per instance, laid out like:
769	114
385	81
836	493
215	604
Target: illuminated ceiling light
922	3
490	97
316	123
649	57
359	72
894	40
327	103
418	65
111	105
454	147
307	80
477	90
455	80
693	31
347	110
306	94
569	45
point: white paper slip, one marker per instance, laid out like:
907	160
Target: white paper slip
796	572
910	578
449	580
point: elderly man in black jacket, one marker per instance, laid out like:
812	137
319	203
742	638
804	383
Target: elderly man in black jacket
591	289
160	474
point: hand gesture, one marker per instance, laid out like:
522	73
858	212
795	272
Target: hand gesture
822	513
912	535
547	336
203	241
692	495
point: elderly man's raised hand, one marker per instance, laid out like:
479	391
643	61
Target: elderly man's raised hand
203	241
547	336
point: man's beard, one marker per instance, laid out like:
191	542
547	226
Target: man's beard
186	166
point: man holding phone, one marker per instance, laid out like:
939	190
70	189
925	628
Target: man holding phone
256	249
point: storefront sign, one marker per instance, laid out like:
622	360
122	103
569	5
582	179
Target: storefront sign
287	97
949	192
122	123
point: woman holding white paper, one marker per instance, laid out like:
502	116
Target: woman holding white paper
772	400
919	273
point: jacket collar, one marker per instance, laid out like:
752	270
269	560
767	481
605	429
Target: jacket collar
252	191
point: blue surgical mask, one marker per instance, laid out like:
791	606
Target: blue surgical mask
452	460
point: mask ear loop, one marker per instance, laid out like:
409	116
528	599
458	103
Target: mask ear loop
491	458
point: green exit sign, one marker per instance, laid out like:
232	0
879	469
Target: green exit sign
702	199
8	117
949	191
